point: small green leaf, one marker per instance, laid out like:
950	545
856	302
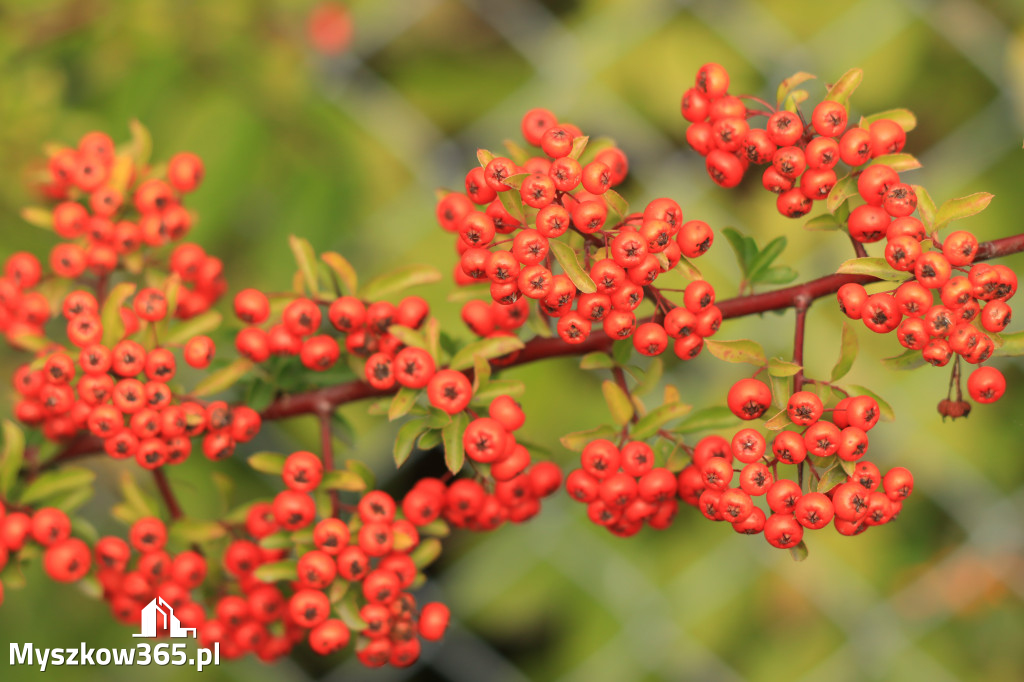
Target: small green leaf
286	569
795	99
847	352
222	379
798	552
782	388
904	117
481	372
110	315
343	479
578	145
657	418
484	157
516	181
875	267
898	162
743	247
516	152
267	462
777	367
621	351
51	483
708	419
429	439
617	206
844	188
789	83
597	360
438	528
188	531
38	217
576	440
823	222
778	422
885	410
849	467
305	258
408	336
426	552
454	453
488	348
359	468
964	207
348	611
343	269
649	381
405	440
777	274
138	501
509	387
12	457
844	87
908	359
513	203
566	257
741	350
619	404
403	401
766	256
1009	345
432	333
204	323
141	146
399	280
831	477
925	207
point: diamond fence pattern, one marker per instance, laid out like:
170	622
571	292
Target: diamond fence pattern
669	625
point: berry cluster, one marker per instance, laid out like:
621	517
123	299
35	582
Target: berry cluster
540	200
800	158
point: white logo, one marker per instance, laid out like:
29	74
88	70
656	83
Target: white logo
170	621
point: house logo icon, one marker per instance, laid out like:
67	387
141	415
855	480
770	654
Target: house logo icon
151	612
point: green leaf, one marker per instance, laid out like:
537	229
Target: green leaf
777	274
904	117
268	462
597	360
798	552
925	207
823	222
515	181
617	206
789	83
844	87
513	203
405	440
898	162
484	157
38	217
343	479
286	569
849	467
745	248
426	552
766	256
794	99
566	257
488	348
778	422
516	152
12	457
908	359
408	336
454	453
481	372
438	528
578	145
429	439
140	149
222	379
831	477
1009	345
399	280
964	207
649	381
657	418
359	468
741	350
204	323
844	188
343	269
621	351
51	483
509	387
875	267
708	419
576	440
847	352
885	410
688	269
110	315
138	501
432	332
777	367
188	531
403	401
305	258
348	611
782	388
619	404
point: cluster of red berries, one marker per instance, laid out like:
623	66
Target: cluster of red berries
370	553
553	193
800	158
622	488
297	331
852	504
119	392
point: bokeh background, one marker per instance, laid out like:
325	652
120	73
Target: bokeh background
347	151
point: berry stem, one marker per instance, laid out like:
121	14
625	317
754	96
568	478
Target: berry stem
327	452
803	302
164	486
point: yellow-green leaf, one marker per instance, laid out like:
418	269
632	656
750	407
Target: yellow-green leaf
222	379
110	315
489	348
657	418
38	216
51	483
619	404
908	359
451	434
405	440
844	87
203	323
399	280
188	531
898	162
576	440
566	257
789	83
708	419
267	462
847	352
831	477
343	479
426	552
343	269
741	350
885	410
904	117
964	207
305	258
13	456
798	552
286	569
777	367
925	207
875	267
844	188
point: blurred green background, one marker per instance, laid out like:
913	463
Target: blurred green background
347	151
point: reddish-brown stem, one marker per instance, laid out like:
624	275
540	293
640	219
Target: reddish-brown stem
858	248
802	304
164	486
327	454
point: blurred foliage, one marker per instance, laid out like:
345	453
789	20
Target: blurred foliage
346	151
